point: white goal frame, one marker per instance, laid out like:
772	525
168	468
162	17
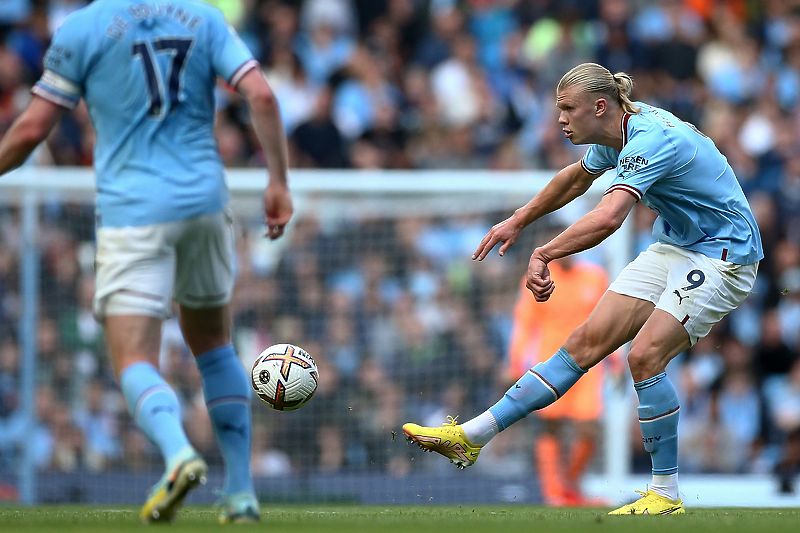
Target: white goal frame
29	185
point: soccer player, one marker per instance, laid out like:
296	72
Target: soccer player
147	72
702	267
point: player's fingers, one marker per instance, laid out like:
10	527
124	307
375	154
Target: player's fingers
488	247
274	231
538	282
481	246
542	295
538	288
506	246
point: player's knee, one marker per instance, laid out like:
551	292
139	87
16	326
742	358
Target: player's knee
643	364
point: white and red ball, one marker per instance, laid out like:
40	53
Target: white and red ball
285	377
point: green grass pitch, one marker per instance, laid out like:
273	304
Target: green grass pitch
453	519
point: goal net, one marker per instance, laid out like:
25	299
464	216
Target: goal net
373	277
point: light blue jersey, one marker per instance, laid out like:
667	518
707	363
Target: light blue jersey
147	72
678	172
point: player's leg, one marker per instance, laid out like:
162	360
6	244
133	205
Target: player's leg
134	279
203	289
227	393
134	343
699	293
661	338
614	321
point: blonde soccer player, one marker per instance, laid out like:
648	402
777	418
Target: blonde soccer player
702	267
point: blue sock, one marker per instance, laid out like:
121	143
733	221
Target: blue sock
538	388
658	417
227	392
154	407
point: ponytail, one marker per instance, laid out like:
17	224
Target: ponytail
595	78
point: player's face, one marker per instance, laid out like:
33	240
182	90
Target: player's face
577	117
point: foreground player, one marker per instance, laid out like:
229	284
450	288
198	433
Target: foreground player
702	267
147	72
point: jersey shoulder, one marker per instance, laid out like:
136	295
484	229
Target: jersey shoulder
650	123
652	131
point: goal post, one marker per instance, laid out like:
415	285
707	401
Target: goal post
339	214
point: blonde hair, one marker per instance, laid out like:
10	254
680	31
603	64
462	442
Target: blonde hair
594	78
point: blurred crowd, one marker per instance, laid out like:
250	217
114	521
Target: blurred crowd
403	326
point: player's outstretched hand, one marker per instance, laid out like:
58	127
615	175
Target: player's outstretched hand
277	209
538	279
506	232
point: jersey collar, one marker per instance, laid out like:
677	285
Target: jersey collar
624	127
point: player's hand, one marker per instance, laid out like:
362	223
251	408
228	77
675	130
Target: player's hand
277	210
538	279
506	232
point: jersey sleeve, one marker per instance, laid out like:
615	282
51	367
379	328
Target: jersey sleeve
231	57
598	159
646	158
64	66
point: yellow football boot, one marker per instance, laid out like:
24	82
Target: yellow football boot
448	440
166	496
652	503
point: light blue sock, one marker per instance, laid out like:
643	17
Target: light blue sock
658	416
227	392
155	408
538	388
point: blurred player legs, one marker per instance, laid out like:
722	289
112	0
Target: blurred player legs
162	229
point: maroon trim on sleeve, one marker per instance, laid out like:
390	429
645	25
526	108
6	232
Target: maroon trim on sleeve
627	188
239	73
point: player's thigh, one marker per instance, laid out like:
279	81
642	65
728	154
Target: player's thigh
614	321
134	269
132	339
204	280
623	309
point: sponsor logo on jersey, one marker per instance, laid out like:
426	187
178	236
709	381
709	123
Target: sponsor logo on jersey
632	163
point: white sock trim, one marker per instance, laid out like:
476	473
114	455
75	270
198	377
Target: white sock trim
666	486
481	429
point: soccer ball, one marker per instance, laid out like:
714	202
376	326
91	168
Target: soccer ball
285	377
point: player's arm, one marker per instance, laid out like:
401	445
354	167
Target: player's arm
267	122
566	185
589	231
28	130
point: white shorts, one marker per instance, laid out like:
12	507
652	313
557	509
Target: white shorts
697	290
141	269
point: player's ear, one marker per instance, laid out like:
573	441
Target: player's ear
600	106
